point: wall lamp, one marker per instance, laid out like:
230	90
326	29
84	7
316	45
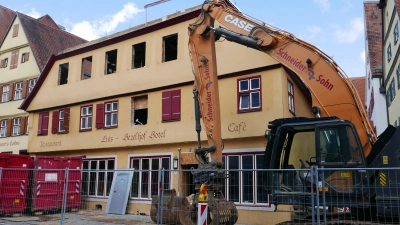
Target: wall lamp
175	162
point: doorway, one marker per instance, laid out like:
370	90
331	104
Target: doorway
187	185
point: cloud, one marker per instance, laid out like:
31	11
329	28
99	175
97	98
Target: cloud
362	56
313	30
350	34
347	6
106	25
324	4
35	14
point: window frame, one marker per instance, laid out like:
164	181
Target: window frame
256	183
171	109
43	123
30	88
5	94
3	128
143	57
150	172
398	76
291	103
164	47
18	90
85	116
396	32
16	126
110	112
248	92
24	57
61	119
389	52
106	171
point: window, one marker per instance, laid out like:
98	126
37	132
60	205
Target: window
97	176
3	128
139	55
369	80
398	76
5	93
371	104
145	181
43	123
32	83
18	91
27	125
396	32
86	118
15	30
86	68
291	96
389	53
244	184
249	96
111	114
111	62
4	63
63	74
14	59
139	110
25	57
60	122
170	48
16	127
171	105
390	94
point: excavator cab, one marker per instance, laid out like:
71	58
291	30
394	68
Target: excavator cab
297	144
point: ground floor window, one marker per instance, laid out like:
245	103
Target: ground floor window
244	183
97	176
145	177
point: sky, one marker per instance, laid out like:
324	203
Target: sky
334	26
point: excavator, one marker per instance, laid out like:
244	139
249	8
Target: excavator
344	146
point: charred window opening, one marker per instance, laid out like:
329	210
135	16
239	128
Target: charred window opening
139	55
86	68
111	61
139	110
63	74
170	47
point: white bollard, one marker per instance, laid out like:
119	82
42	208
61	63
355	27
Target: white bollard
202	213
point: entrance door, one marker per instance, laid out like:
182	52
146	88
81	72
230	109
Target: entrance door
188	185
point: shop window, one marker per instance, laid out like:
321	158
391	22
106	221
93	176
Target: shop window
170	48
139	110
145	180
111	62
97	176
86	68
139	55
63	74
249	94
171	105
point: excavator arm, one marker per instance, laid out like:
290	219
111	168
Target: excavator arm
332	92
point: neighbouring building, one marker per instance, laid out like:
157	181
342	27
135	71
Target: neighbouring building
125	101
391	64
25	48
375	99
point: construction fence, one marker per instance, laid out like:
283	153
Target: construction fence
158	196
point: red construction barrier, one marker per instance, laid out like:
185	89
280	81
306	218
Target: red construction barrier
13	182
74	181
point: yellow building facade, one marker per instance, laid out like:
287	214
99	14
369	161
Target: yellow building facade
126	101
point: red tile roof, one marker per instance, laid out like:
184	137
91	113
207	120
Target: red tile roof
46	19
46	40
6	16
359	84
373	34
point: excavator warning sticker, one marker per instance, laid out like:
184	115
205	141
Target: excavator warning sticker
385	159
16	200
345	175
382	179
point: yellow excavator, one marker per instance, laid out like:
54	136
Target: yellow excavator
340	131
